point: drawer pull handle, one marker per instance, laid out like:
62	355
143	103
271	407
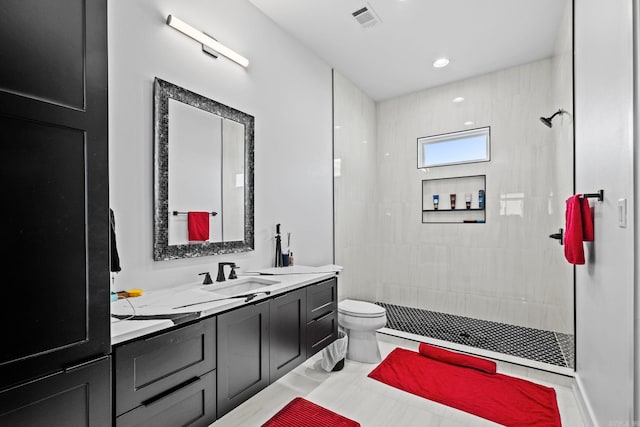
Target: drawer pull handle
172	390
323	306
318	343
83	364
320	319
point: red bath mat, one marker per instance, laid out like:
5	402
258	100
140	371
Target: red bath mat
500	398
302	413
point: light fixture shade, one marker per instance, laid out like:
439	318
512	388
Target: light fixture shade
200	37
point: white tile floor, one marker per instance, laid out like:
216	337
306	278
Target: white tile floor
351	393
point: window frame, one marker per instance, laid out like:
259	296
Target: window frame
451	136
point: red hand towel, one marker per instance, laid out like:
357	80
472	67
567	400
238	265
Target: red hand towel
579	228
573	249
587	221
198	223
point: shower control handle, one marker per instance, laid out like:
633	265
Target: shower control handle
559	236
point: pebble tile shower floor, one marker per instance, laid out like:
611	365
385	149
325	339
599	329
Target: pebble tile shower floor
534	344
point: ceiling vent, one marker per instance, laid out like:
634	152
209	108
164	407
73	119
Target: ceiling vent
366	16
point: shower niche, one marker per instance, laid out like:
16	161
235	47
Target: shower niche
455	200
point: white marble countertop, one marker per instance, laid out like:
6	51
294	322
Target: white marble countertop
198	299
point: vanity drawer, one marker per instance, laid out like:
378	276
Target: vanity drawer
322	298
191	404
151	367
321	332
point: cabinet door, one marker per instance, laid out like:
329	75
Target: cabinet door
322	315
322	298
243	354
191	404
321	332
78	397
148	368
55	185
287	332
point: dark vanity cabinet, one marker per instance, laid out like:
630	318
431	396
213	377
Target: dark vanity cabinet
258	344
288	332
194	374
168	379
243	354
322	315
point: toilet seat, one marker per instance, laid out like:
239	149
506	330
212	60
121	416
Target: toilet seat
360	309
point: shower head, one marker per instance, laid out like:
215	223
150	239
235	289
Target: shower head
547	120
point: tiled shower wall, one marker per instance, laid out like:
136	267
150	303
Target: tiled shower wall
355	192
505	270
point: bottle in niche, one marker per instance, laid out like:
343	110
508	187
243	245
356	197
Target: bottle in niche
481	199
467	200
452	198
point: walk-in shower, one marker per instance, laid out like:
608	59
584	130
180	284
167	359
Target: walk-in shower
488	277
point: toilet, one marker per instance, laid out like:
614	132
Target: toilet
361	320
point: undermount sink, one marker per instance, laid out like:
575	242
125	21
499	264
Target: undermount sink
240	286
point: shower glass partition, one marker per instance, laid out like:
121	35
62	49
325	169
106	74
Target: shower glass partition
493	286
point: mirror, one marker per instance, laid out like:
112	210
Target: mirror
203	153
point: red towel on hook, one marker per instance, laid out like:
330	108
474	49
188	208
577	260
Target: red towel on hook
579	228
198	224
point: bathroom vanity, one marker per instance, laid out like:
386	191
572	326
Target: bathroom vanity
195	372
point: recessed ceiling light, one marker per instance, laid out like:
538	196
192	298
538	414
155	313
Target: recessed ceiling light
468	123
441	62
458	99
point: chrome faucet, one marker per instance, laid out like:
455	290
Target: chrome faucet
232	274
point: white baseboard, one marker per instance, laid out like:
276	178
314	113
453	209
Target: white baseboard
584	406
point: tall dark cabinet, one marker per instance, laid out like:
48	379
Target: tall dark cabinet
54	359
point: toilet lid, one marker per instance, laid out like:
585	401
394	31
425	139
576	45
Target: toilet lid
360	308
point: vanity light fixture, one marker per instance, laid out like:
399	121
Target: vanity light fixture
457	99
468	123
441	62
206	40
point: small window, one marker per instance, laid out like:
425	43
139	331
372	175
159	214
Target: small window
454	148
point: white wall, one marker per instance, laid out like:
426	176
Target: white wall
604	160
506	270
285	87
